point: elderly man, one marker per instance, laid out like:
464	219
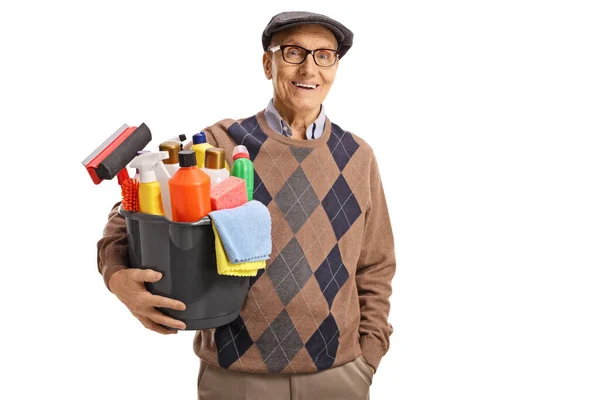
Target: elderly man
314	324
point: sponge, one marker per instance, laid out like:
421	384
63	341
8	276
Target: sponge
230	193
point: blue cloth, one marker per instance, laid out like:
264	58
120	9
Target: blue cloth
245	231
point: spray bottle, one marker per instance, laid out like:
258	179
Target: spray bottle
163	177
214	165
200	145
243	168
172	162
136	177
149	191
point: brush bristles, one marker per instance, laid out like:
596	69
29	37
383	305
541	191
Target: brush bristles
129	194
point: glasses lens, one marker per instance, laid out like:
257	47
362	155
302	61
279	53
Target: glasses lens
325	58
293	54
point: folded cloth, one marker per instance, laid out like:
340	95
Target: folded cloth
245	231
224	267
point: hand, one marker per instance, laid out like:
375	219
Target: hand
128	285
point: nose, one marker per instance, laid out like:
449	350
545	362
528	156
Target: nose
308	67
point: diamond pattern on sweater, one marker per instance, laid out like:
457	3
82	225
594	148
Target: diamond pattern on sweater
232	341
322	346
260	192
331	275
289	272
249	134
279	343
297	200
341	207
301	152
312	207
342	146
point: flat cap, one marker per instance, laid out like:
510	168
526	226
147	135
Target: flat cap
290	19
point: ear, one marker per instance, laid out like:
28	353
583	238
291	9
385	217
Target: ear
267	65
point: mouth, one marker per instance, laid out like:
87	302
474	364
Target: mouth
306	85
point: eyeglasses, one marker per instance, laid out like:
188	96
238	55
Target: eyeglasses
296	55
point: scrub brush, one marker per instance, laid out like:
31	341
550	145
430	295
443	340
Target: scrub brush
129	193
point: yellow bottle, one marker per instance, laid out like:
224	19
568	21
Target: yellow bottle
149	190
199	147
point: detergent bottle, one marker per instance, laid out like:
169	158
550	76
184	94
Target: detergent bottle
200	145
214	165
149	190
243	168
172	162
190	190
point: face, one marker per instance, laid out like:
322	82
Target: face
285	76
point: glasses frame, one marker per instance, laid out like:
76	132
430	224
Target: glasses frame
282	47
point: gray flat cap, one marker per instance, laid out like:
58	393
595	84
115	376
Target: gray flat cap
290	19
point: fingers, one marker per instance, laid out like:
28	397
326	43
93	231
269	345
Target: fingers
153	326
144	275
165	302
162	319
148	275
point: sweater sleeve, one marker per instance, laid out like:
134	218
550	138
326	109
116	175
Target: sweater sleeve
375	270
113	253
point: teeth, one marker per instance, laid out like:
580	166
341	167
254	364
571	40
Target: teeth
305	85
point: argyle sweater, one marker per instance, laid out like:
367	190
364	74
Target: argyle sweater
323	298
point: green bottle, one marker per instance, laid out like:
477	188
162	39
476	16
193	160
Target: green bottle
243	168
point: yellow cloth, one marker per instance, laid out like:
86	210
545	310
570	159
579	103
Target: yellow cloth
224	267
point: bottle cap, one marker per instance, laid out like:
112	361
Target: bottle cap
199	138
182	138
173	149
187	158
214	158
240	151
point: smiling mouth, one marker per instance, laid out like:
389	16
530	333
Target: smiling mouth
305	86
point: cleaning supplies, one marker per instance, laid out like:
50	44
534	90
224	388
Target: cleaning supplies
163	177
190	190
200	145
178	139
225	267
130	195
230	193
136	177
245	231
149	189
214	165
243	168
172	162
110	159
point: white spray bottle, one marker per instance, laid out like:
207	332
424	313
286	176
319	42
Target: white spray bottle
149	189
163	176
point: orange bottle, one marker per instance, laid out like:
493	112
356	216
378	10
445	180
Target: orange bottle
190	190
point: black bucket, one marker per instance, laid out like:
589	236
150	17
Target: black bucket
185	255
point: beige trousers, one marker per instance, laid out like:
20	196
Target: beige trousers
350	381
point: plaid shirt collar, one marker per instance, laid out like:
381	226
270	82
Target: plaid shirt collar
279	125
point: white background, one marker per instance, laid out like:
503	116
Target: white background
484	117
